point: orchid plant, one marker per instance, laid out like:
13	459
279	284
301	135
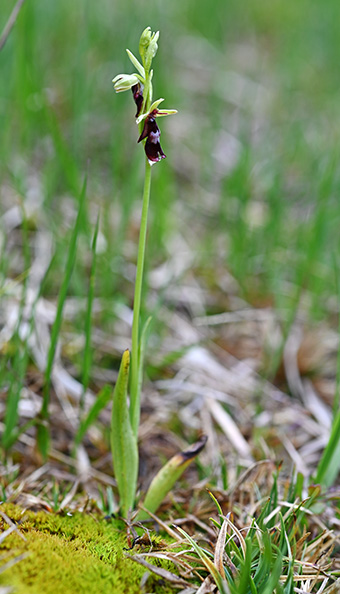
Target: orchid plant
126	412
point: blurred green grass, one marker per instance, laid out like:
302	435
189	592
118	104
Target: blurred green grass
252	173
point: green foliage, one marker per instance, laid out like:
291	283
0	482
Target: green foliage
272	552
16	379
107	501
103	398
329	465
42	428
88	319
123	441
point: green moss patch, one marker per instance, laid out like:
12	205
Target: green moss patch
68	554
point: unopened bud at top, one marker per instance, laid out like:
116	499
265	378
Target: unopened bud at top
144	41
148	47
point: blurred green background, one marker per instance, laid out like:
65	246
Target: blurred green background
251	179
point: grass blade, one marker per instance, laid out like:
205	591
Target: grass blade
329	464
245	572
19	360
336	401
42	433
13	397
10	23
102	400
88	320
220	582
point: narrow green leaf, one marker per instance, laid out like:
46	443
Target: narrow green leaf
274	575
43	438
165	479
123	441
14	436
61	301
336	401
220	582
20	358
88	318
299	482
329	464
16	381
101	401
64	157
245	573
11	415
219	509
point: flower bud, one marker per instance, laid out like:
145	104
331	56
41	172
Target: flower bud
148	47
144	42
153	47
124	82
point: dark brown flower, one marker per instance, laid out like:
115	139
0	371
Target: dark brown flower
152	134
137	92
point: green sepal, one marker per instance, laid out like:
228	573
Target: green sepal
136	63
123	441
156	104
166	112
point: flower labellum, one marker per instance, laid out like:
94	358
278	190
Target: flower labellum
152	134
137	92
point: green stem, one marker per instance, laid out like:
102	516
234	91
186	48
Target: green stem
135	385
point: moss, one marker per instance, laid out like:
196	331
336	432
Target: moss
68	554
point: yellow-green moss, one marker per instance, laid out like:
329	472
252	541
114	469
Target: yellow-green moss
68	555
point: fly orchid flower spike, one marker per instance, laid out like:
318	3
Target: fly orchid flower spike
140	84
